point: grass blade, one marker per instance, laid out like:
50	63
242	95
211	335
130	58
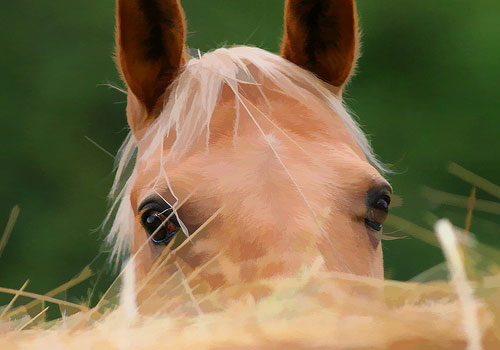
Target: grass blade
8	229
476	180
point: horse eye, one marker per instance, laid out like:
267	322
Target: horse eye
378	209
383	203
159	228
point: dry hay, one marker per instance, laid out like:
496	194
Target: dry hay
314	310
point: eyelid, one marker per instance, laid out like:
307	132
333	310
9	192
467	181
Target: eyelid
144	207
165	211
154	200
386	186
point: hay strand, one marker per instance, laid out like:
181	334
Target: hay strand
33	319
451	249
470	208
82	276
39	298
455	200
7	308
476	180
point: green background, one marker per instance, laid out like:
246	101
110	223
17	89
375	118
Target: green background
426	92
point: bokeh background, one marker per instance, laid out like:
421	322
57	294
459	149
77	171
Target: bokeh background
427	93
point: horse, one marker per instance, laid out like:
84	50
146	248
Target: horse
244	163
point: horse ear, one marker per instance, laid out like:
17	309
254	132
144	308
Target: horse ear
150	37
322	37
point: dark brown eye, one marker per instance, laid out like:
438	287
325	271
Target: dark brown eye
160	225
377	209
383	203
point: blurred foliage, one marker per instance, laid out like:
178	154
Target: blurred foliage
426	92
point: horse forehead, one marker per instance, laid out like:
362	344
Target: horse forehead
296	147
263	134
263	110
259	166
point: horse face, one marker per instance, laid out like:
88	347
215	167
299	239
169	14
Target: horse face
286	186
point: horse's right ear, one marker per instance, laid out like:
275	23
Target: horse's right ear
150	37
322	37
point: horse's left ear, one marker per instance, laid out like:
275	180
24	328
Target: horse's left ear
150	37
322	37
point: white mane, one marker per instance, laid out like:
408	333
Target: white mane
202	81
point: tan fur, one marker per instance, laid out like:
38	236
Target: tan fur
285	199
257	138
